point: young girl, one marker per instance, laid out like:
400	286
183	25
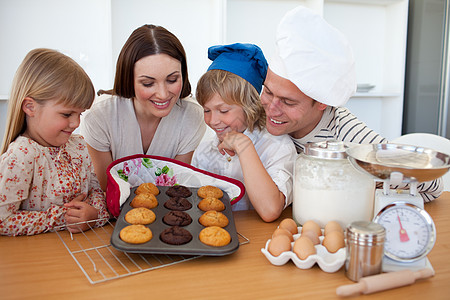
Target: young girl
242	148
46	175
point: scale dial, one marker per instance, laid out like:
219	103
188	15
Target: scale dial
410	231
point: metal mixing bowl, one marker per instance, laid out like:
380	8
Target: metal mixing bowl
415	163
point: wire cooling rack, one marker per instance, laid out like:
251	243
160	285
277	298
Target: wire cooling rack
100	262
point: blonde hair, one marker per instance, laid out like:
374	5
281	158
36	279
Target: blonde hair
233	89
43	75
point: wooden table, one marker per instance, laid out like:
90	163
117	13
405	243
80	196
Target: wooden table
40	267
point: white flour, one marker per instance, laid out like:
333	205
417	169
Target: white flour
326	190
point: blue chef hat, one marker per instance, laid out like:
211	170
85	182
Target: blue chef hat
244	60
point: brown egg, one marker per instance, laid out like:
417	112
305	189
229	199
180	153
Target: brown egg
303	247
290	225
313	226
334	241
283	231
279	244
312	235
332	226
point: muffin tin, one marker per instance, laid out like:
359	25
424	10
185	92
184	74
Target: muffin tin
156	246
328	262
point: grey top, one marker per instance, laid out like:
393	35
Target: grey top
111	125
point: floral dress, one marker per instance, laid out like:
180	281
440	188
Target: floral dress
36	181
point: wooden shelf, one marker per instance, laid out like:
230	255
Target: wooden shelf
376	95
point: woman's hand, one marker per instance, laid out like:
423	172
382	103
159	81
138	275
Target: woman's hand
79	211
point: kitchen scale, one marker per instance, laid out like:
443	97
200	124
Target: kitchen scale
410	231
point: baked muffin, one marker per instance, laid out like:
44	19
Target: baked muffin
178	191
144	200
209	191
175	236
214	236
211	203
177	218
140	215
213	218
136	234
178	203
147	188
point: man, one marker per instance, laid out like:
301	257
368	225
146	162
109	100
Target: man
309	80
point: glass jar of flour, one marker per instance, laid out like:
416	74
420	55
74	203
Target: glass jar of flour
327	187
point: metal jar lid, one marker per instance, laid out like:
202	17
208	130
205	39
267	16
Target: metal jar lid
365	233
327	150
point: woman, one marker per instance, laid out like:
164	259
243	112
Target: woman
148	111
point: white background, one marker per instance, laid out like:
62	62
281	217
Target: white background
92	32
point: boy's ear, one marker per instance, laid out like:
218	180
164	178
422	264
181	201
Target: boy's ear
29	106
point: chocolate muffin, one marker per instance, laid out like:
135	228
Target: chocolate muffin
177	218
178	191
175	236
178	203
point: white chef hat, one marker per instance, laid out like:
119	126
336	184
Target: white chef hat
315	56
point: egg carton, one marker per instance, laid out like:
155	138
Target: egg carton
328	262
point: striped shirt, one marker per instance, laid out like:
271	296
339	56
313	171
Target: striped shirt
338	123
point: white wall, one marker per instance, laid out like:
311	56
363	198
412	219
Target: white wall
196	23
256	21
93	31
80	29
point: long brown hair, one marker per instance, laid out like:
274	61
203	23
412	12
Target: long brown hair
144	41
45	74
